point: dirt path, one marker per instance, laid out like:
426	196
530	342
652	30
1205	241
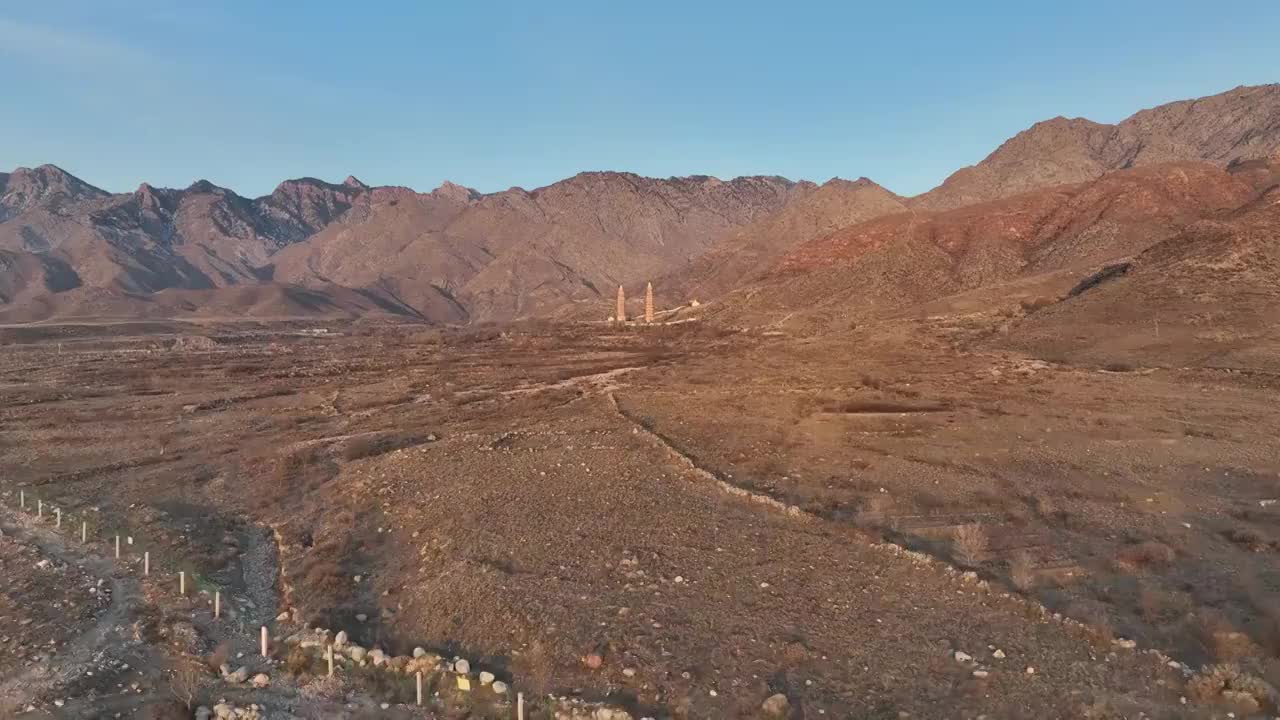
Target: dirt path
110	629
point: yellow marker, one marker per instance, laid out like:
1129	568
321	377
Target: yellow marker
464	684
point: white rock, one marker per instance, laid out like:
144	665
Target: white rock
377	657
261	680
1031	671
340	639
357	653
361	617
980	673
462	667
998	654
629	672
499	687
486	677
963	656
419	652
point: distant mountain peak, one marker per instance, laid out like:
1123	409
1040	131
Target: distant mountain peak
458	193
204	186
353	182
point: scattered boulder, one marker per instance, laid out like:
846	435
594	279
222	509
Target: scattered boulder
356	653
419	652
461	666
499	687
777	706
240	675
340	640
486	677
963	656
261	680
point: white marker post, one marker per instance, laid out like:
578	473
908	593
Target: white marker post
84	531
22	499
329	656
117	547
146	563
39	509
519	706
419	687
182	582
217	604
57	523
264	641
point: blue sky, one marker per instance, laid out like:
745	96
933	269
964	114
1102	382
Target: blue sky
496	94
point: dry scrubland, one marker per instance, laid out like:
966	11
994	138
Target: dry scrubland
563	506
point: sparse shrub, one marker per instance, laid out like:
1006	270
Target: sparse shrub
220	655
874	509
536	667
1146	554
184	683
1249	538
969	544
1228	682
1022	573
298	661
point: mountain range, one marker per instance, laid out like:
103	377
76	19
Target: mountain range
1065	194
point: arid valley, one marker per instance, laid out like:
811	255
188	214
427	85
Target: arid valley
1005	449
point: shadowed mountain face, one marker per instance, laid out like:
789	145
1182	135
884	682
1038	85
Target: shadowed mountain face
1241	124
1060	195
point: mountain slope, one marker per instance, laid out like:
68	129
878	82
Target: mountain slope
1240	124
742	254
1207	296
895	261
517	253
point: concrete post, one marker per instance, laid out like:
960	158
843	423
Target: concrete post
57	513
519	706
329	656
182	582
22	499
117	547
419	687
84	531
217	604
264	641
146	563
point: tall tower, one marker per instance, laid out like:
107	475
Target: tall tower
648	302
622	306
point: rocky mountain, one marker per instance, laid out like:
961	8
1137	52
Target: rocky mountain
1062	194
449	255
742	254
1206	296
892	262
1240	124
26	188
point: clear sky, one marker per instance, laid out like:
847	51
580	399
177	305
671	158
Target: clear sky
494	94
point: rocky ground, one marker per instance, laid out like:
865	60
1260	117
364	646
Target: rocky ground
907	521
